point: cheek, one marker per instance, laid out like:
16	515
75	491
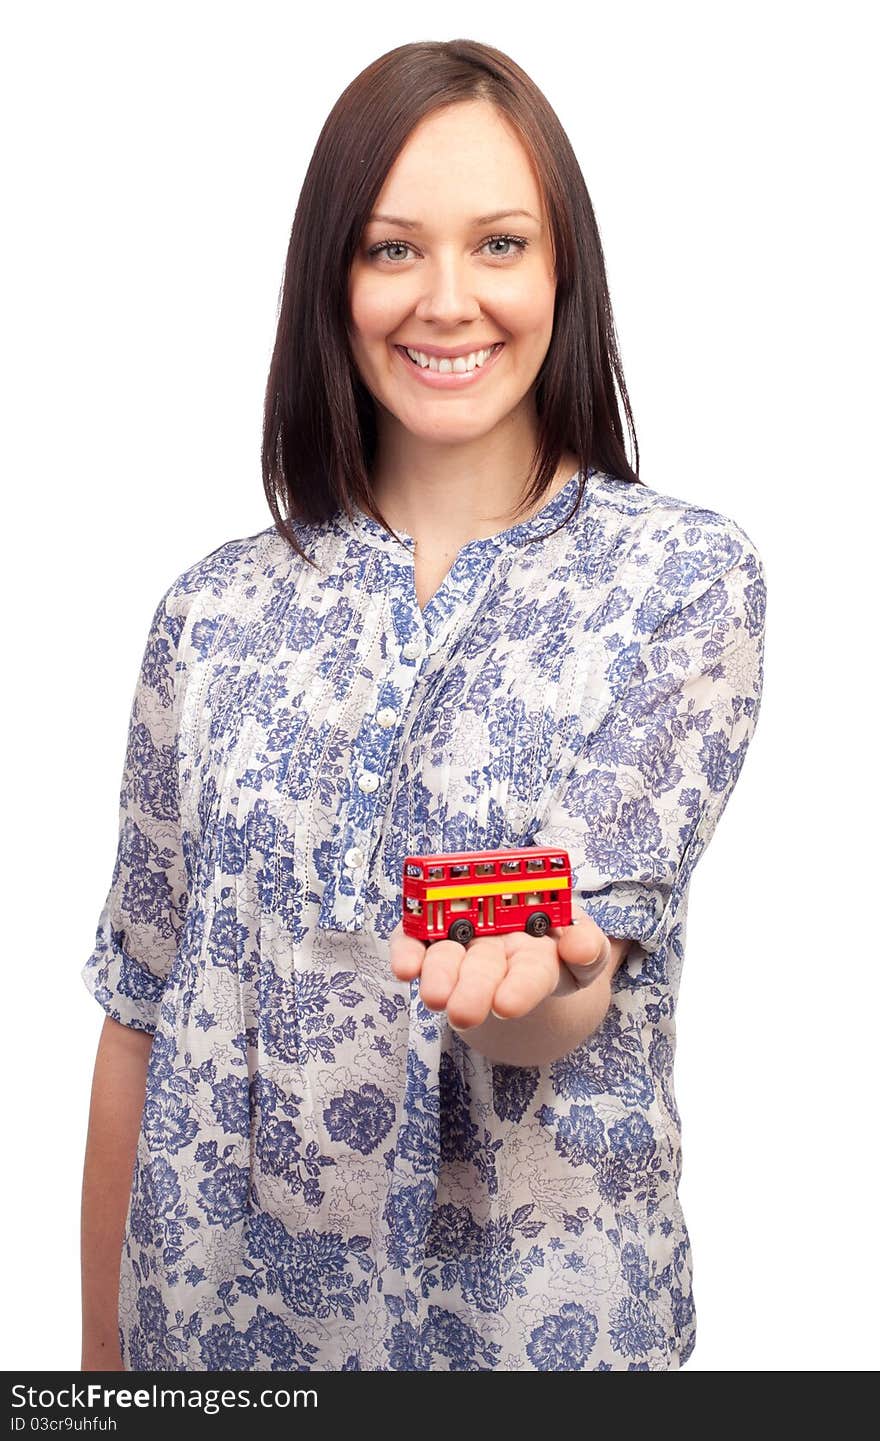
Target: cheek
527	311
537	311
375	310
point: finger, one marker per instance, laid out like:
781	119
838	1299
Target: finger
440	972
532	975
483	965
406	953
583	938
584	947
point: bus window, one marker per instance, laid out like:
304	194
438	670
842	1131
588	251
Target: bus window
415	871
459	903
535	864
510	868
456	871
414	905
533	898
484	868
435	873
507	900
557	863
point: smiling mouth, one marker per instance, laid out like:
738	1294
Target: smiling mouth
446	365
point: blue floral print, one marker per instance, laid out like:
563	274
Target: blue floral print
327	1176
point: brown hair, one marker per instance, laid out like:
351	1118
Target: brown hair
319	432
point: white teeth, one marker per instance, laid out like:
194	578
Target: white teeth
444	366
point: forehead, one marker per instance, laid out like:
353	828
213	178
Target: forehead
464	157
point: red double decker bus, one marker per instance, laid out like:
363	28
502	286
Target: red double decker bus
485	893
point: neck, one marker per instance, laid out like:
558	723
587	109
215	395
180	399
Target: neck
445	495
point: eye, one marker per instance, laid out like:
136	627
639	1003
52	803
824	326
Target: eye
384	247
517	240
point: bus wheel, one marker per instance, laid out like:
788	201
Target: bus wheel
461	931
538	924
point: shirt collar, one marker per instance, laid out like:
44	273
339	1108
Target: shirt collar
365	528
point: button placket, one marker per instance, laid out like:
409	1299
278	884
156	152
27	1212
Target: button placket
408	649
343	906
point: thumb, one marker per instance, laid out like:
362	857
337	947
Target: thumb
583	947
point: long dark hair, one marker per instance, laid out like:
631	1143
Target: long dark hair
319	427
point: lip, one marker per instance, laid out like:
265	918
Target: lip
446	352
451	380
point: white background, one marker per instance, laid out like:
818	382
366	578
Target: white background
154	155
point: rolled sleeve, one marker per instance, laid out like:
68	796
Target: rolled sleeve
141	920
639	806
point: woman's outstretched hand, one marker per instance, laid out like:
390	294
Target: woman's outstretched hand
508	975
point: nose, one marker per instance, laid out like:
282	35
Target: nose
448	292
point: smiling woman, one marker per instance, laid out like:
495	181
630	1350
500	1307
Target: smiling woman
437	316
344	1150
443	212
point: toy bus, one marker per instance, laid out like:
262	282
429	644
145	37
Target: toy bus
486	893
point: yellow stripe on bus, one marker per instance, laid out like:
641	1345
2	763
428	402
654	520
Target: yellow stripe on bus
498	888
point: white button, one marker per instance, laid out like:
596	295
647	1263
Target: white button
413	649
368	781
386	717
353	857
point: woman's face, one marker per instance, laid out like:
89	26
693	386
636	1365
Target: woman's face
451	272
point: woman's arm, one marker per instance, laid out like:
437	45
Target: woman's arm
117	1103
560	1022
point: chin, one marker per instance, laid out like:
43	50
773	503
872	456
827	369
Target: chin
452	432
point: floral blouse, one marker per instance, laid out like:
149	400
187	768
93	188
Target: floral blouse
327	1176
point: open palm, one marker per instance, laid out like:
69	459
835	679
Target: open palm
508	975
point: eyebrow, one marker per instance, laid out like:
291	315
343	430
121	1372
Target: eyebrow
479	220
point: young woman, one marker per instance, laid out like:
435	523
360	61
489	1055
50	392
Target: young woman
313	1143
